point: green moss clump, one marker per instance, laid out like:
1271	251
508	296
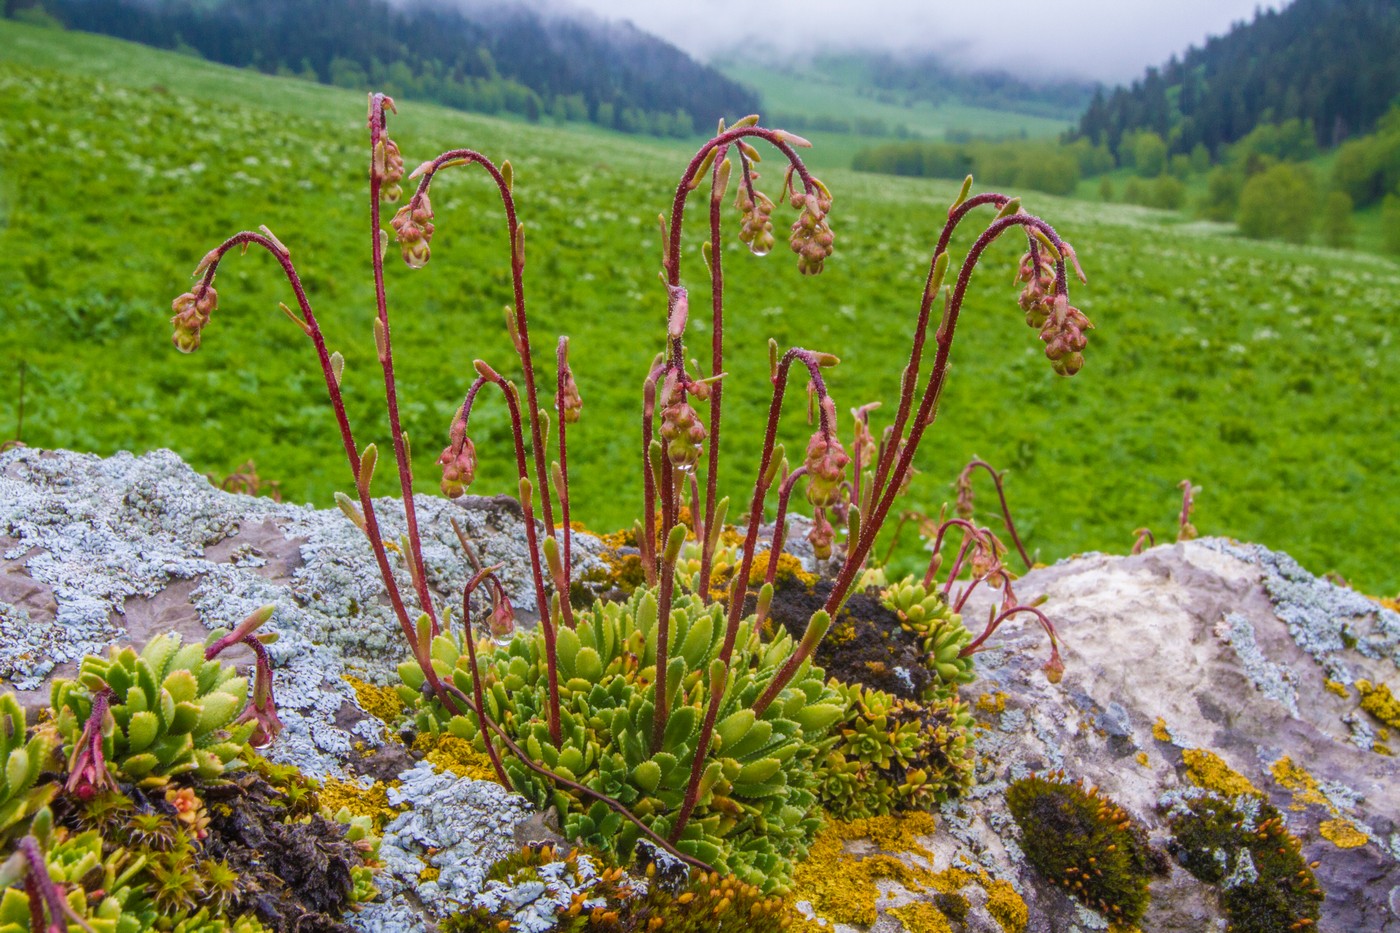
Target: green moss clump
591	894
1242	846
1084	843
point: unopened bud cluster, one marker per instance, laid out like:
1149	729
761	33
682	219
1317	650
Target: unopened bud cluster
1061	325
680	426
413	225
191	316
811	238
570	401
388	169
826	461
822	535
756	210
458	462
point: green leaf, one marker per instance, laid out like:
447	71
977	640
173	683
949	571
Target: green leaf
588	664
817	718
218	711
566	648
697	642
181	685
758	772
141	731
680	727
647	776
734	727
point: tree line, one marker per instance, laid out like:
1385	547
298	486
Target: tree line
514	61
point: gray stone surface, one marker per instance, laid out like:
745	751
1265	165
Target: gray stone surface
1230	645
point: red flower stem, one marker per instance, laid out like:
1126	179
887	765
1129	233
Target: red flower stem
708	540
647	544
916	352
352	454
470	640
417	575
1005	509
578	788
531	541
856	554
561	371
969	530
736	597
522	327
976	644
780	522
957	566
44	893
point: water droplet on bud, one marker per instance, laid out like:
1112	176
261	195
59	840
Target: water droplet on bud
758	249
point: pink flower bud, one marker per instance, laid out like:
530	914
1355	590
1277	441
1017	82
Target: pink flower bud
458	467
821	536
826	469
683	433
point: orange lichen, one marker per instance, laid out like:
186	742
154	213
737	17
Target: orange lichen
1377	700
842	886
1159	730
1303	785
1207	769
1141	758
383	703
1343	833
1340	689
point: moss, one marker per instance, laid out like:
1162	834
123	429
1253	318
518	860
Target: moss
459	756
1377	700
372	802
922	917
1343	833
1085	844
1265	886
382	703
1208	770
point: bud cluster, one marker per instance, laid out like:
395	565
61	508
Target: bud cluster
681	428
1064	336
821	536
756	211
413	225
826	469
191	316
811	238
458	462
388	170
1038	272
570	401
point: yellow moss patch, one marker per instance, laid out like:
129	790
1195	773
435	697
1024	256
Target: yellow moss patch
1207	769
372	802
456	755
382	703
1141	758
1340	689
922	917
1303	785
1377	700
1159	730
841	886
1343	834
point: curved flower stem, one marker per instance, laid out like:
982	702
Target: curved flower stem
470	640
976	644
708	540
378	134
312	329
910	378
521	329
578	788
780	522
487	374
1005	509
928	406
647	543
969	530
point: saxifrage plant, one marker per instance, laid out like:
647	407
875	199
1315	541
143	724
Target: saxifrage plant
663	705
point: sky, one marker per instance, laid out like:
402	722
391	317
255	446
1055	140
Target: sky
1105	40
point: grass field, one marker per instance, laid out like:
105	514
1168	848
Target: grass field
1257	370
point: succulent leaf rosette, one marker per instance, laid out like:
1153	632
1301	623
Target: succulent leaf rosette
755	812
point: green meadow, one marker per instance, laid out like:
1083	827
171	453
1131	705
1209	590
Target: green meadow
1257	370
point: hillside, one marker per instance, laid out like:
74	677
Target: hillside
1331	63
1255	369
489	60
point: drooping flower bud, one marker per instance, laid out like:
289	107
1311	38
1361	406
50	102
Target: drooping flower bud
191	316
87	768
1064	336
683	433
570	401
963	509
821	536
502	619
811	239
755	212
388	169
413	225
826	461
458	463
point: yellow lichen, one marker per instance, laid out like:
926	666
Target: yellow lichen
372	802
1207	769
841	886
1343	833
1159	730
1303	785
1141	758
922	917
1377	700
992	702
382	703
431	873
1380	749
789	568
456	755
1340	689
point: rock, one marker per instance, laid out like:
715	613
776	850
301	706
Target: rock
1208	646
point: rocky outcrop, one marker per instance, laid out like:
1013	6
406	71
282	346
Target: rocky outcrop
1200	667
